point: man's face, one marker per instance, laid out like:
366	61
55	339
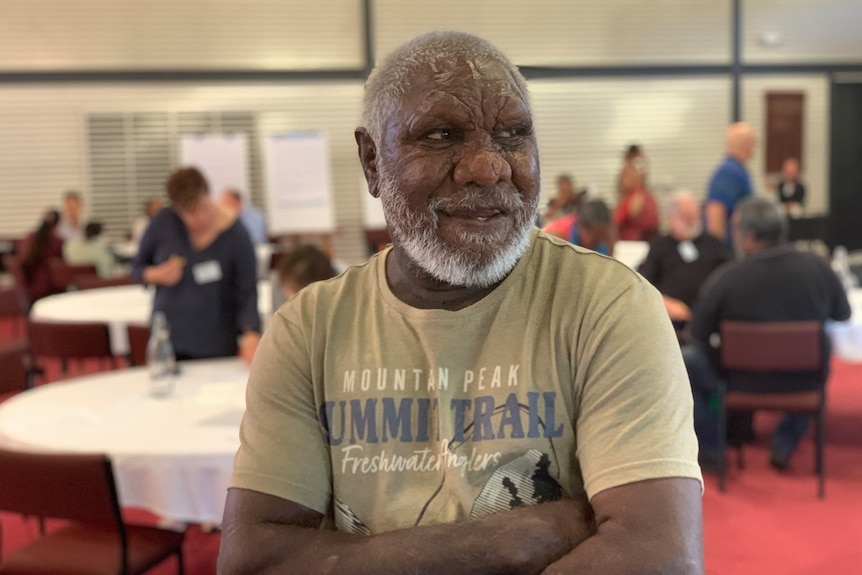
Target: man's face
199	216
72	207
459	174
790	170
684	220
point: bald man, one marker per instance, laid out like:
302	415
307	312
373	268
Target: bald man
730	183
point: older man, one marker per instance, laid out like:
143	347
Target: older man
679	263
772	283
250	217
481	397
730	183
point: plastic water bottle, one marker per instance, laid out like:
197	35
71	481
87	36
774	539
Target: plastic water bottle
161	360
841	267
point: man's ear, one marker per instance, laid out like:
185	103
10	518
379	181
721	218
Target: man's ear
368	159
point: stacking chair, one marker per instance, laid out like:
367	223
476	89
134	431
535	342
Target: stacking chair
67	341
79	488
139	336
752	350
12	310
92	282
14	366
64	275
13	265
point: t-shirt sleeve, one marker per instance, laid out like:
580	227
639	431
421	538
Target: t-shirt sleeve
282	448
635	411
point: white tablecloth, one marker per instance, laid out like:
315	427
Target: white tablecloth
172	456
631	253
119	306
847	335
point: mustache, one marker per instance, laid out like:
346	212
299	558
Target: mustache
495	197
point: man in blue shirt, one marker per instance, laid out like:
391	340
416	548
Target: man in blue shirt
730	182
250	216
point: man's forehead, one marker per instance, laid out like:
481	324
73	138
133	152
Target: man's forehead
458	72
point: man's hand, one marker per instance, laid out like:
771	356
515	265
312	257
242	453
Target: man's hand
167	273
716	220
248	345
676	309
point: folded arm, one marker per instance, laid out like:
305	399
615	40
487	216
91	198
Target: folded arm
266	534
652	526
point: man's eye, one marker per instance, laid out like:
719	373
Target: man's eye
511	133
440	134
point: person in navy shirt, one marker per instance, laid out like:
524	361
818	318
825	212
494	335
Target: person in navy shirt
201	260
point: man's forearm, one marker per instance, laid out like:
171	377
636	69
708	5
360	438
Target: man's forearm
522	541
650	527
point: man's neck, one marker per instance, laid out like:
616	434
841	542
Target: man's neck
418	289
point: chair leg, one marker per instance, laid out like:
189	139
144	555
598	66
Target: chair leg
722	438
180	569
819	448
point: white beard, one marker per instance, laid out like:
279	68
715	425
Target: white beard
483	260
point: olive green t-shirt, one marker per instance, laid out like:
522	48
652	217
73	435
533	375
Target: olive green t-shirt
566	379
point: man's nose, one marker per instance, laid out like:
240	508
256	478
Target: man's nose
483	166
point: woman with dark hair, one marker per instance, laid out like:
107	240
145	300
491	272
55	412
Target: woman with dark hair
35	250
201	260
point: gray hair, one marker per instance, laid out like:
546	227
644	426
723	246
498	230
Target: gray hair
390	80
764	219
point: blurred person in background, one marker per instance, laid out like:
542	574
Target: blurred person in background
590	227
200	258
298	269
250	216
636	216
566	201
678	264
35	250
633	157
72	221
92	249
790	190
139	226
730	183
771	282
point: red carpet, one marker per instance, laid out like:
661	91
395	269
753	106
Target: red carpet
768	522
765	523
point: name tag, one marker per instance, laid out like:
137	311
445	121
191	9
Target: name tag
207	272
688	251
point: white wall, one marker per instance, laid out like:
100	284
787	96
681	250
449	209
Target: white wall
180	34
585	125
801	31
571	33
815	132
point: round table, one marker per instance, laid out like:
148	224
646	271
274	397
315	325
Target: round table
119	306
172	456
847	335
